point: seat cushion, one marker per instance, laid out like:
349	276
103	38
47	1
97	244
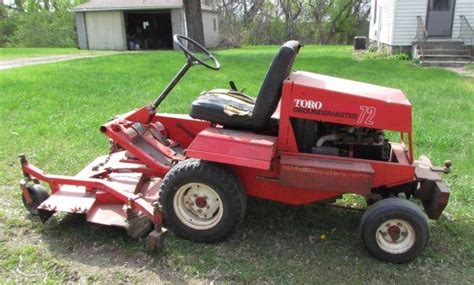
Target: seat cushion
225	107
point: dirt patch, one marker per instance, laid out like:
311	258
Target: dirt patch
109	263
70	250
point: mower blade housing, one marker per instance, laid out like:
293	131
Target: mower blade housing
108	191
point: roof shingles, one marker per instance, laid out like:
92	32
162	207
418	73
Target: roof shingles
107	5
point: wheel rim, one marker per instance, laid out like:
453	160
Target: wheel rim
395	236
198	206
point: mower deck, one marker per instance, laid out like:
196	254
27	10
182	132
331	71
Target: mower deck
101	208
107	191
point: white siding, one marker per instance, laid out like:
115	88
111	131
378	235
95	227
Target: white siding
81	30
382	28
211	35
466	9
406	20
177	24
105	30
210	24
397	24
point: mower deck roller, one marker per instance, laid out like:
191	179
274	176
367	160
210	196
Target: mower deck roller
307	138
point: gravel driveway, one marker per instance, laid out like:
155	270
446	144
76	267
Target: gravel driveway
18	62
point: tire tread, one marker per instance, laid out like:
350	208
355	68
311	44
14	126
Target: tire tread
218	173
386	207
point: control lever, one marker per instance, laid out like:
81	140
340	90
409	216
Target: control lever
158	136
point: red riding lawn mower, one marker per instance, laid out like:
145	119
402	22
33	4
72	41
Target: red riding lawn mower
307	138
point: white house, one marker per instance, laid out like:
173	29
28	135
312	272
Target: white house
138	24
401	24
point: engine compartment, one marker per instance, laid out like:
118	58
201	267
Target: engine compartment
340	140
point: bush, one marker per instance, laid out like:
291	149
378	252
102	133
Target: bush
7	28
39	27
383	52
49	30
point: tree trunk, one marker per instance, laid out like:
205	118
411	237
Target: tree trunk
19	6
46	5
192	10
1	9
291	11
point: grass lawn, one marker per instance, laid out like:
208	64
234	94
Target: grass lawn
52	113
12	53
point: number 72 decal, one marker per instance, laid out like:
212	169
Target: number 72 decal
366	115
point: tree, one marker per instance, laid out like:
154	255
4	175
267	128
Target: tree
192	10
250	10
291	10
346	18
2	11
37	23
237	17
318	11
274	21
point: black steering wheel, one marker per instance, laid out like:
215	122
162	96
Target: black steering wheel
178	39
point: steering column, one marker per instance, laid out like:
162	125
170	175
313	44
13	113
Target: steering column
192	59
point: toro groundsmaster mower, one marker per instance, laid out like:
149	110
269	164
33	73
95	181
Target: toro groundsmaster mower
306	138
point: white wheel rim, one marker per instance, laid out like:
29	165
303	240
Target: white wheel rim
198	206
395	236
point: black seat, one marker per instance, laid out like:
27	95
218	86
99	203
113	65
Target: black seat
236	110
229	108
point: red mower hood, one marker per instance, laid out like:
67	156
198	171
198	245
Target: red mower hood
348	102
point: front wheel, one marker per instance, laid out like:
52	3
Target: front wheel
394	230
38	194
202	201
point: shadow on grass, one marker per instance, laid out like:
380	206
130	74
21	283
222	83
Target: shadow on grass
275	243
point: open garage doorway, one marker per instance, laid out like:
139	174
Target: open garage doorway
148	30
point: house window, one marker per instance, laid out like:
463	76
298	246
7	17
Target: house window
215	24
375	11
440	5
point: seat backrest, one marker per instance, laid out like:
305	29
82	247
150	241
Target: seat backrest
270	92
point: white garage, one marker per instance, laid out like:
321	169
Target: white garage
138	25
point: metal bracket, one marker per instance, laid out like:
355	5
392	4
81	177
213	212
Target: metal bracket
24	161
25	192
445	169
132	200
155	240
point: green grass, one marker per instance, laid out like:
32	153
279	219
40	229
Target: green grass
470	67
52	113
12	53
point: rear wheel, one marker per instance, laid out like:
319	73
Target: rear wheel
38	194
202	201
394	230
